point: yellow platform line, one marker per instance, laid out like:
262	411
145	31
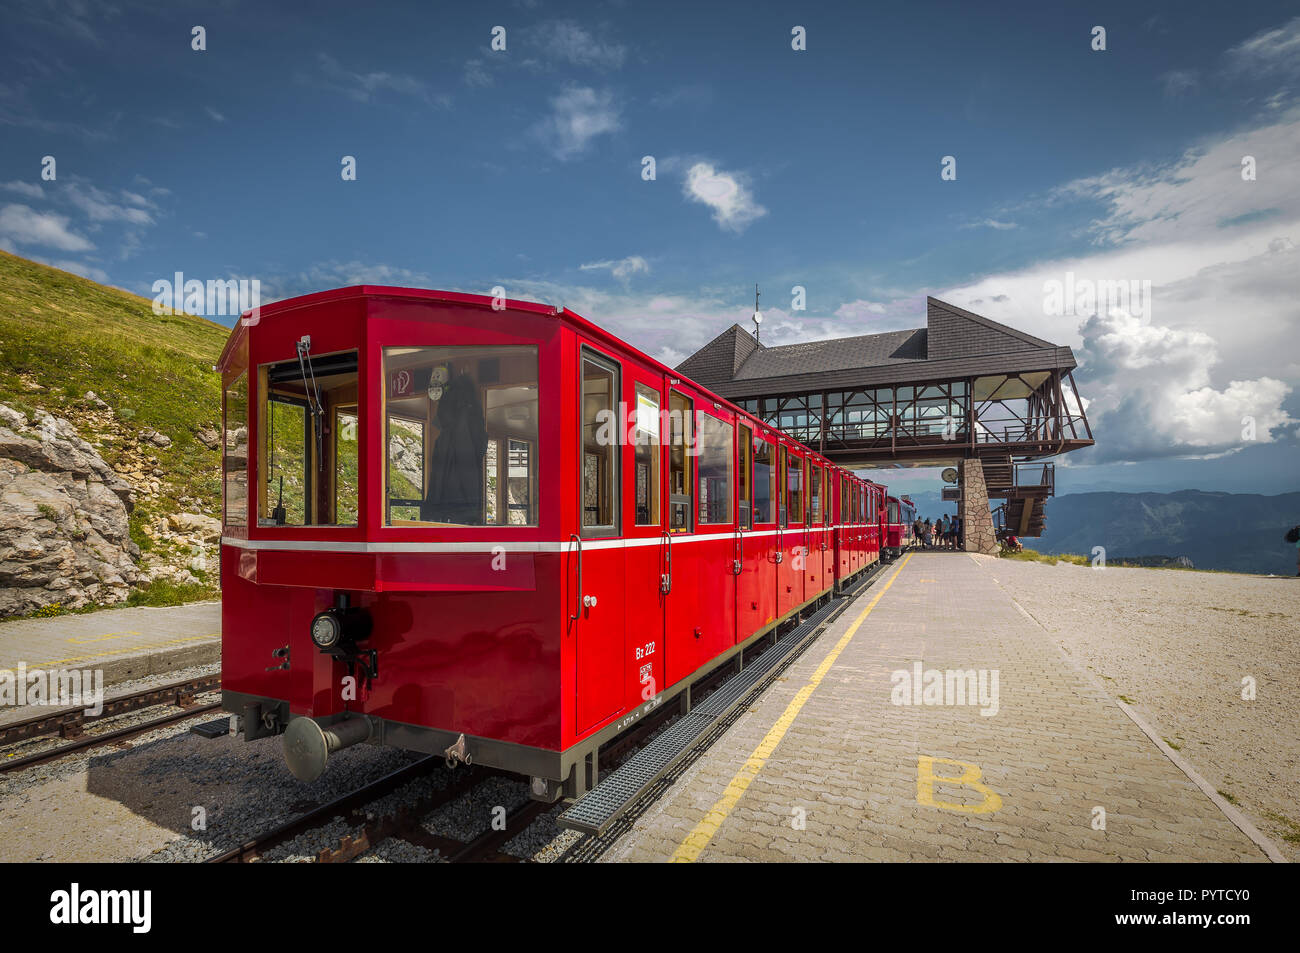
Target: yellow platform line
698	839
126	650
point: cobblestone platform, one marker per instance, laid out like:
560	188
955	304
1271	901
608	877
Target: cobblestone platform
826	766
124	643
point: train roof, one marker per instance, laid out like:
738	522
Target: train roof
485	301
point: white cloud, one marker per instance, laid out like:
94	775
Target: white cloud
29	189
1269	51
991	223
1221	257
567	40
621	269
363	87
1176	82
216	116
578	115
1150	392
732	203
101	206
1203	189
25	226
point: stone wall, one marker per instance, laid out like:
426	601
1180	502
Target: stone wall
973	509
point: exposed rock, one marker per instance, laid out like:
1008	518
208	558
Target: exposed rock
209	438
196	525
94	399
64	536
155	438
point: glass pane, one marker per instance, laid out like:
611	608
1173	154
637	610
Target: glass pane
646	455
679	484
287	451
714	470
234	456
745	447
308	465
347	476
462	435
764	472
405	468
794	489
816	492
599	444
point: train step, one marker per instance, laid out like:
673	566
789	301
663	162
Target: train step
595	811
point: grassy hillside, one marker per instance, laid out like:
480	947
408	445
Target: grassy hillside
62	335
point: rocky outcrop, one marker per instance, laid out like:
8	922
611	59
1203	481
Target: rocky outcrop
64	537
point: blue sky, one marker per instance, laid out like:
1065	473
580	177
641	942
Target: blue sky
820	168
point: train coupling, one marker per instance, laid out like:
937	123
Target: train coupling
458	753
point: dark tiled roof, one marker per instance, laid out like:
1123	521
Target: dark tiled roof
955	342
867	350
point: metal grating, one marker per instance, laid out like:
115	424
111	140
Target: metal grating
600	807
212	729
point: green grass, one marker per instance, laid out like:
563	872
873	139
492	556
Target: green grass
162	592
1227	797
71	335
1290	829
1032	556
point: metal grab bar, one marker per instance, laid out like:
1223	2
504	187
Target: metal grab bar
666	578
737	551
577	615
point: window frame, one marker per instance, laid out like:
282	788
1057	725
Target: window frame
586	354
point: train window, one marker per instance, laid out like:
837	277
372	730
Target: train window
234	452
782	488
646	455
893	511
679	463
713	470
815	494
599	446
844	499
794	488
744	496
461	436
764	471
307	460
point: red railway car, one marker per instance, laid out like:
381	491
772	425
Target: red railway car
497	533
899	516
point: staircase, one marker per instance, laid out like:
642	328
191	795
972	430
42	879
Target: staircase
1026	488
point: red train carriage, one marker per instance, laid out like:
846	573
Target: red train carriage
900	515
498	535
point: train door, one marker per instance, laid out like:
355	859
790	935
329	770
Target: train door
646	553
857	526
758	579
714	546
827	533
790	570
598	609
744	595
680	587
841	533
815	533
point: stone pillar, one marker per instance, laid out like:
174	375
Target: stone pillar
973	509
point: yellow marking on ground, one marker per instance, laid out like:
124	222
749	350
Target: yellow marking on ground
969	777
121	651
108	636
698	839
